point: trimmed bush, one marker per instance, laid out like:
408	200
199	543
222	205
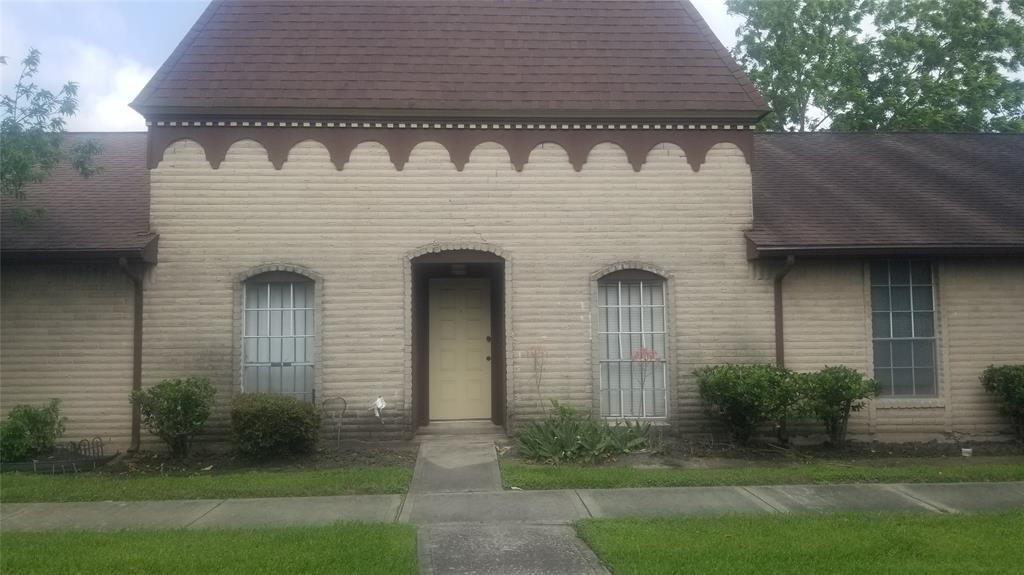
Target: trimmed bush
175	410
832	394
568	436
263	425
30	431
1006	382
746	397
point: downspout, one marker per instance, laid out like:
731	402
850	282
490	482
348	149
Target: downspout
780	341
137	283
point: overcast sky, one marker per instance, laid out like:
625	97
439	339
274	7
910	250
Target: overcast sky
112	48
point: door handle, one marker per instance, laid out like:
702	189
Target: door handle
488	339
488	358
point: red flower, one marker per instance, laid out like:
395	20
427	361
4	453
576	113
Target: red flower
645	354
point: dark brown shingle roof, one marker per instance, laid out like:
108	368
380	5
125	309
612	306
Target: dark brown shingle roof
101	216
449	57
875	193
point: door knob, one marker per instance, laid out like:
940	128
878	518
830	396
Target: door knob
488	358
488	338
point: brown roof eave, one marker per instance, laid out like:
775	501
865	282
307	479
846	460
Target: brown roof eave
157	113
755	251
146	253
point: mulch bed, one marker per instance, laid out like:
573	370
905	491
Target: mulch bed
219	462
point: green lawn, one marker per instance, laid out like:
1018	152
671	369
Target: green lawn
527	476
342	548
23	487
811	544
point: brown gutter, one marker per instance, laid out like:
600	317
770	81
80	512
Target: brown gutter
755	251
146	253
780	342
136	277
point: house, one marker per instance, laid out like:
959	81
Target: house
472	208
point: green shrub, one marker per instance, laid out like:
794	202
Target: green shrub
568	436
748	396
30	431
832	394
1007	383
175	410
263	425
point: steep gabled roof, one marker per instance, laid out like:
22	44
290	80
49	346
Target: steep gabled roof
858	194
458	58
105	215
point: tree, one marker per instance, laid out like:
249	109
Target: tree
803	55
32	134
935	65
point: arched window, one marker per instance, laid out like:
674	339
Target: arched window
278	335
632	337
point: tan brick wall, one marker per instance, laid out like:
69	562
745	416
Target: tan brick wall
983	319
980	322
66	332
356	228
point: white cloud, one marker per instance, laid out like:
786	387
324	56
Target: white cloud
107	83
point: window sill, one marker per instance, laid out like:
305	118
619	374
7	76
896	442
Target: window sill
910	403
652	421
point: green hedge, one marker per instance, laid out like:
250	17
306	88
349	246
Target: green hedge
30	431
263	425
175	410
746	397
1007	383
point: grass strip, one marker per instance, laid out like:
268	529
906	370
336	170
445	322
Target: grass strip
810	544
28	487
528	476
342	548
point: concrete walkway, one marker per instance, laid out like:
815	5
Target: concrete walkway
468	524
560	507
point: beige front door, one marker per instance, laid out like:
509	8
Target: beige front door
460	367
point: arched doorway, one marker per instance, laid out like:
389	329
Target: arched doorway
458	336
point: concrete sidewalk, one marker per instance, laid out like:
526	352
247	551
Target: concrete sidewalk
560	507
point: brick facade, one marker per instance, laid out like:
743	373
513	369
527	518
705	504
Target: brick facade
67	334
980	321
358	228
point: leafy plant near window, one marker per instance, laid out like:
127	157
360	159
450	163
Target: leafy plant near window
567	436
29	431
263	425
832	394
748	396
175	410
1006	382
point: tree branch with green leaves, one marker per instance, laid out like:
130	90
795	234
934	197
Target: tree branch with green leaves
32	133
893	65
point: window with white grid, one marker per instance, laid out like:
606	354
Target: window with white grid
903	327
278	338
631	337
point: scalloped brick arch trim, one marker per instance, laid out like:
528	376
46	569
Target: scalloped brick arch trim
279	267
519	144
631	265
438	247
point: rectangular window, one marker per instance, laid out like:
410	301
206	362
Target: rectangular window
631	337
278	339
903	327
